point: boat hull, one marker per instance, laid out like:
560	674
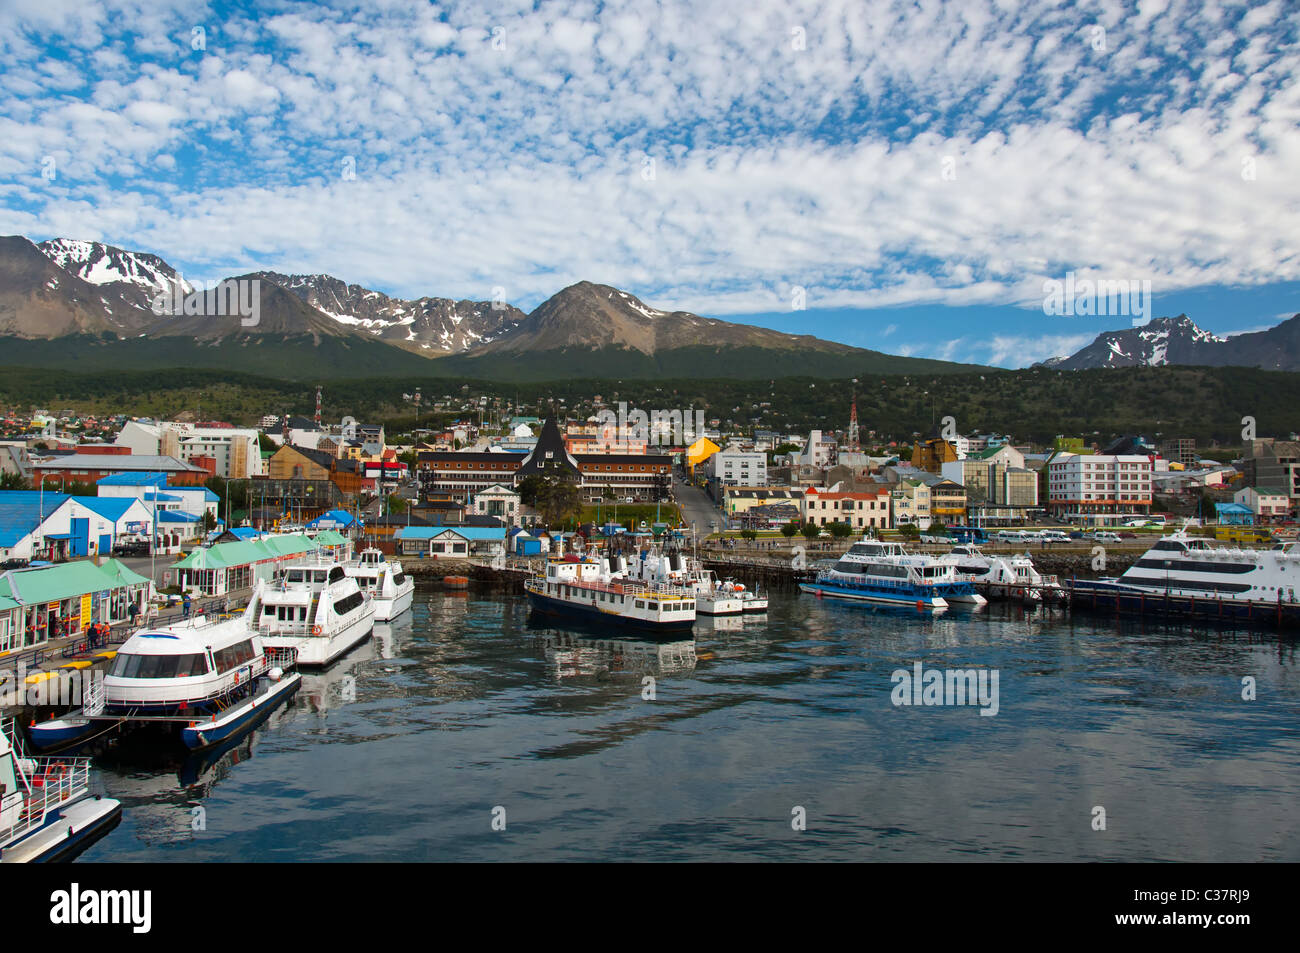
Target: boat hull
1109	595
587	614
388	609
874	596
59	733
66	832
242	717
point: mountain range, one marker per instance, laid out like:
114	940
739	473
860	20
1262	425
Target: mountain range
1164	341
66	302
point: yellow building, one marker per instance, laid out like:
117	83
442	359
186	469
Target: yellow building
700	451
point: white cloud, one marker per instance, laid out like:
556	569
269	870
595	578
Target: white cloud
773	167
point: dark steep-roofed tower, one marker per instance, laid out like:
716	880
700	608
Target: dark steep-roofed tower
550	457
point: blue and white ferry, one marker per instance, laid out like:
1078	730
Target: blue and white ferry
208	680
887	574
46	809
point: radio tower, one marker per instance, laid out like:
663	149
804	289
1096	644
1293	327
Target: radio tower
853	425
318	406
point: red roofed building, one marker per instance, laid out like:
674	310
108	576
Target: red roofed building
868	510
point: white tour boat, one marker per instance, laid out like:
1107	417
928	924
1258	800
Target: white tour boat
316	608
1012	575
887	574
676	569
390	589
211	680
46	809
599	589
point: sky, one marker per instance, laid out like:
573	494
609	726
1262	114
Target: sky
904	176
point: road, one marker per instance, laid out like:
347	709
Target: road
697	508
140	564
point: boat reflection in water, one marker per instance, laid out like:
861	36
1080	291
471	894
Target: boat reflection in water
163	793
337	685
573	654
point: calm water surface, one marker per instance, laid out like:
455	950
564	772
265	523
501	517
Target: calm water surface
403	750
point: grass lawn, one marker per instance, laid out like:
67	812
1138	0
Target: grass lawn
632	512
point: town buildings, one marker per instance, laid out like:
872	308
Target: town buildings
235	452
1093	488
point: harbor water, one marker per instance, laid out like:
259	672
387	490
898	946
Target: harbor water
468	731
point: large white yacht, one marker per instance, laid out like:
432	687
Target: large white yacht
382	578
316	609
1184	565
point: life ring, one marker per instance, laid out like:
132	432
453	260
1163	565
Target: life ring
315	630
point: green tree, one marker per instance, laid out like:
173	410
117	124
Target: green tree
558	501
395	503
748	534
909	531
528	489
810	530
788	530
840	530
14	481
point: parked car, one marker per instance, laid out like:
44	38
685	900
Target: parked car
1106	537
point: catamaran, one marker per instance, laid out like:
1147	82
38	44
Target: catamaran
316	609
210	680
382	578
46	809
887	574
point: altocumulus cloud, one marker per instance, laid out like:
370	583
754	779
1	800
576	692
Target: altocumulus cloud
711	156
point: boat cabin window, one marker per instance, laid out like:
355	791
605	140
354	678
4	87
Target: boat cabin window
232	656
348	603
159	666
295	575
1169	545
336	574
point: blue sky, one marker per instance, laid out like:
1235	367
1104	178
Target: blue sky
911	172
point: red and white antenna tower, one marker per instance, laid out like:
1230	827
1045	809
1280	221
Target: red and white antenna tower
318	392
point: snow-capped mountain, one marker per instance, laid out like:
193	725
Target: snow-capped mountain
134	278
1179	341
430	325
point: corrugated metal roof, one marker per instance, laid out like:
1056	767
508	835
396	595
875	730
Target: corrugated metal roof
21	511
